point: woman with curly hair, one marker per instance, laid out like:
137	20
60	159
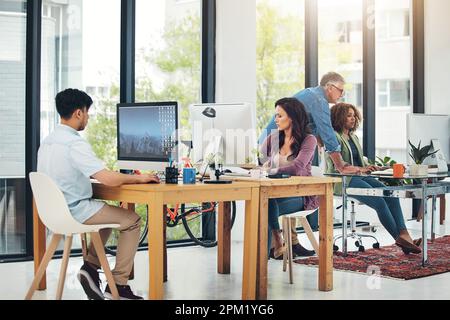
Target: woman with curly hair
346	119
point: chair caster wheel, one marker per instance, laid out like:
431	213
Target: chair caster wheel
357	244
361	249
335	248
376	245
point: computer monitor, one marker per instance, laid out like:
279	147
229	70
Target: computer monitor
147	135
225	128
424	128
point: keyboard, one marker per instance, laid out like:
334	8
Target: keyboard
387	172
237	174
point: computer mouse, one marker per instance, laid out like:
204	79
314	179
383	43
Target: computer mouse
227	171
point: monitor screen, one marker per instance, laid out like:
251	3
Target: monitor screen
234	123
147	131
424	128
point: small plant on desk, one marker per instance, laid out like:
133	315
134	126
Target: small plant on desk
419	155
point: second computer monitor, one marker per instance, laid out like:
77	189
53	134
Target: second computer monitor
146	135
234	123
425	128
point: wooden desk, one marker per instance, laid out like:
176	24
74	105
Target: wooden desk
299	187
156	196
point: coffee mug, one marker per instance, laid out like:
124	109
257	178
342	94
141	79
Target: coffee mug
399	170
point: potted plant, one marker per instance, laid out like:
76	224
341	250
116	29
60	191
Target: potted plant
419	155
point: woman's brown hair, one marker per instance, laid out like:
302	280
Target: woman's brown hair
300	123
339	114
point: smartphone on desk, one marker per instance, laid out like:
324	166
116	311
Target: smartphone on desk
278	176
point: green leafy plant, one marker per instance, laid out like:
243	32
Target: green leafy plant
383	162
389	162
420	154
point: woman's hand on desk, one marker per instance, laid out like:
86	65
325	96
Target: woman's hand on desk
370	169
357	170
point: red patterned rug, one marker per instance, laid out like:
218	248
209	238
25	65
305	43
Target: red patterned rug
392	262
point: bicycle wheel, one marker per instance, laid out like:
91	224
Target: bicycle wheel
207	215
111	245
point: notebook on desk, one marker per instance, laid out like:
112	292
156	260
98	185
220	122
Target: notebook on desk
236	172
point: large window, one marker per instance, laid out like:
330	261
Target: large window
341	45
12	127
393	74
168	64
80	52
168	46
280	54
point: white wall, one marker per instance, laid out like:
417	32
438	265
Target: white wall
437	56
236	51
236	64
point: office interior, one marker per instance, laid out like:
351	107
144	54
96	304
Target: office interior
394	55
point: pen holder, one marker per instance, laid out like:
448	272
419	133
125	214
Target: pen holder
171	175
189	175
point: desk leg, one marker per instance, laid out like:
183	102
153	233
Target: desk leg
344	215
224	238
250	246
38	245
433	218
165	243
326	240
261	276
442	209
155	246
424	224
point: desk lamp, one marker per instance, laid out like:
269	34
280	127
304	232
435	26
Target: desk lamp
211	113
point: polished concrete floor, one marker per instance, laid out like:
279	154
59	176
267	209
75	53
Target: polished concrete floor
192	275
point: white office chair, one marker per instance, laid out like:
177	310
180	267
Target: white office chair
353	234
54	213
288	256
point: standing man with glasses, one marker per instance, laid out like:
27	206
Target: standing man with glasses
316	101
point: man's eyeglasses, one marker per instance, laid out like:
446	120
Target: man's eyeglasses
342	91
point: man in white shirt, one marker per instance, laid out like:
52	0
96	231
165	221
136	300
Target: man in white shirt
69	160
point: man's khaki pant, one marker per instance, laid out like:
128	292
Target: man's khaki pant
128	240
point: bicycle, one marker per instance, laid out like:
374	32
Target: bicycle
187	214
